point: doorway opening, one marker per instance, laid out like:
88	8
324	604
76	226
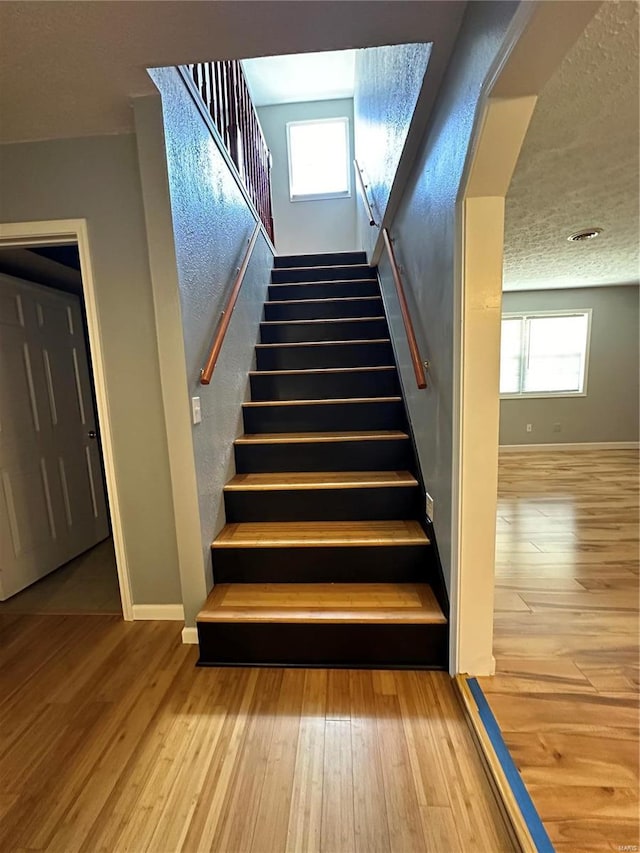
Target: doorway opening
61	544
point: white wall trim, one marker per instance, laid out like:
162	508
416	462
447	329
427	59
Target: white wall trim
190	636
65	231
580	445
159	612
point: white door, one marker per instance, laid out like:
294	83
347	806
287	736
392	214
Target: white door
52	495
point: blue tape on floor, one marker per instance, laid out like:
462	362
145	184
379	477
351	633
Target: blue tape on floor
529	813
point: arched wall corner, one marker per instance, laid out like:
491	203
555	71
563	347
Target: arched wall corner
527	61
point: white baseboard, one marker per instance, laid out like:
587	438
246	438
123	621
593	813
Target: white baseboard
190	636
159	612
583	445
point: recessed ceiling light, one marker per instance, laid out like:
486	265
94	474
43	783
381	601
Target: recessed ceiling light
585	234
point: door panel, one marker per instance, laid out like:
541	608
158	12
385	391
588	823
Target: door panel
52	495
33	543
73	421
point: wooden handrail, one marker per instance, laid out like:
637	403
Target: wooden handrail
363	193
418	364
225	318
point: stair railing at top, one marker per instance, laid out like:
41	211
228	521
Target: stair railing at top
418	364
225	317
223	88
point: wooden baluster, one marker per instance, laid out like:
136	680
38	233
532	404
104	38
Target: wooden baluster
224	122
223	104
217	73
254	151
195	73
203	83
230	110
254	154
243	112
233	112
208	88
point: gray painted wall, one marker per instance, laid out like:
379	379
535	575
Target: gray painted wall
388	82
609	411
325	225
211	225
96	178
425	227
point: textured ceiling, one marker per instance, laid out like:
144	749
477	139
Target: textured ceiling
300	77
70	68
579	165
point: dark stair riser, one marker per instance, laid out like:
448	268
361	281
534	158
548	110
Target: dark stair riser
324	386
320	260
370	455
364	354
336	309
325	645
323	564
324	290
339	330
324	417
353	504
326	273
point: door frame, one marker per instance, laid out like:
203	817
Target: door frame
61	232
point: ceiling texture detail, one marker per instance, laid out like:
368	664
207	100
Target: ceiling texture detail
70	68
579	166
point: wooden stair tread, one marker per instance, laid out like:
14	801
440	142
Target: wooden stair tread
313	370
324	402
322	301
309	534
387	603
309	437
328	267
288	481
324	281
322	320
327	343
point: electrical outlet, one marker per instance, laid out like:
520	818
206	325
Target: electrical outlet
529	427
196	411
557	427
429	507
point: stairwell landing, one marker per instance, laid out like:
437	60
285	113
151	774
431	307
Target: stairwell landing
324	559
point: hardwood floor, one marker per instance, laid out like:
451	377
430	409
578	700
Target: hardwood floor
111	740
566	640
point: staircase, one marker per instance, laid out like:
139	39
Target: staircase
324	560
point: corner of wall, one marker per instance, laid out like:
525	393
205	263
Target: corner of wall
164	277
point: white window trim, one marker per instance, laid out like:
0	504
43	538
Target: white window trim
538	395
344	120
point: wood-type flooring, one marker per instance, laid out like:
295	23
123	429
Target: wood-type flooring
111	740
566	640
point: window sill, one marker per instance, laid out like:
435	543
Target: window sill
544	396
319	196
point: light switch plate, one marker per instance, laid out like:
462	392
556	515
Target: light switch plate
196	411
429	507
